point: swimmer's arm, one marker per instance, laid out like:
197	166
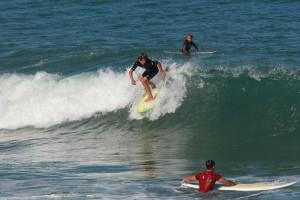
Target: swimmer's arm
188	179
226	182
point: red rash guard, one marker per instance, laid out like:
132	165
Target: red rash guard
207	180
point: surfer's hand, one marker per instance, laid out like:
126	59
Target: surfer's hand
133	82
163	73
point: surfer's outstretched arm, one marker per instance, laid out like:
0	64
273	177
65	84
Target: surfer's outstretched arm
188	179
133	82
196	47
161	70
226	182
136	64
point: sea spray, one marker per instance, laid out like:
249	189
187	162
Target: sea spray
43	99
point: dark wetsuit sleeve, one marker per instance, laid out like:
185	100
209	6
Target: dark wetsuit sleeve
136	64
195	46
154	63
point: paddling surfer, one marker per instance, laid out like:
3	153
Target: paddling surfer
151	69
208	178
187	44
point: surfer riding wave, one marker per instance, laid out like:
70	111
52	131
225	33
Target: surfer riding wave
150	68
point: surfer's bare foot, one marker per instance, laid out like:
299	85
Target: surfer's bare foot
149	99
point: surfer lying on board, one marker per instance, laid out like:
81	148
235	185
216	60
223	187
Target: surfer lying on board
151	69
188	43
208	178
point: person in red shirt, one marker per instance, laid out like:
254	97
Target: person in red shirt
208	178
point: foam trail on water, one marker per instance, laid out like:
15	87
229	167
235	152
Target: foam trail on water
43	99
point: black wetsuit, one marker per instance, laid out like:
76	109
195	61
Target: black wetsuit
187	46
150	67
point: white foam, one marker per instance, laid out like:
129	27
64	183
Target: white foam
43	99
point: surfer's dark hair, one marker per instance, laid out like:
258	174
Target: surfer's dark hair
210	164
188	35
143	56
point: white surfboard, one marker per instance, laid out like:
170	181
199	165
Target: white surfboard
142	106
249	186
191	53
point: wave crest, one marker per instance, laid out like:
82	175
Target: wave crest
43	99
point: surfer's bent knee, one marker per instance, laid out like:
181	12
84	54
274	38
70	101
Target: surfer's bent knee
143	79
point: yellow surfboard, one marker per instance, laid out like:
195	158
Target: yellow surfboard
143	106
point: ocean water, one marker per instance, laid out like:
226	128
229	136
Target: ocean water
68	124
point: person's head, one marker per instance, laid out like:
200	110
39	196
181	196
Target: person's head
189	37
142	58
210	164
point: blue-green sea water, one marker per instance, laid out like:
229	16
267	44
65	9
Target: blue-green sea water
68	124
